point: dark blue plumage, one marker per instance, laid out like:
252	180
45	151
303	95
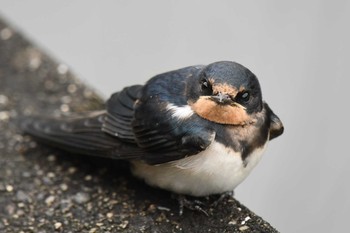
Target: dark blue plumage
208	113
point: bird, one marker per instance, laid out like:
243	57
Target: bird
196	131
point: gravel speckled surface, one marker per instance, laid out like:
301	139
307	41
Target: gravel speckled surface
45	190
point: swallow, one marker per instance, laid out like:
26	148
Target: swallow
195	131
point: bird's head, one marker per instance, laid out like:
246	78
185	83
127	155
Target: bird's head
226	93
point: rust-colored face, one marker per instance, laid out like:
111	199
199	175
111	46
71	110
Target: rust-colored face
223	114
220	107
226	93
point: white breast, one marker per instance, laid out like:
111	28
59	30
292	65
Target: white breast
216	170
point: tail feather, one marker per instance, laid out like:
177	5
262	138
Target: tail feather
81	135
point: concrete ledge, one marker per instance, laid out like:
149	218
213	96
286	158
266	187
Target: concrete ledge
46	190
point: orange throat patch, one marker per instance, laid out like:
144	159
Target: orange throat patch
222	114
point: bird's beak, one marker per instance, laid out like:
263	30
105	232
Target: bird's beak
222	98
225	99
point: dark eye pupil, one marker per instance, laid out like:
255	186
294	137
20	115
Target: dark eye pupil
245	96
206	87
205	84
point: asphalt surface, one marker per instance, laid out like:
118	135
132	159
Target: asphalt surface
46	190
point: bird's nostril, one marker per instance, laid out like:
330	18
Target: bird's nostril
221	96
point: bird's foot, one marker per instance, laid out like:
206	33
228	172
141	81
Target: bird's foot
198	205
194	204
222	197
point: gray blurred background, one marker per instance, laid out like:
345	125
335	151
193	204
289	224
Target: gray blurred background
300	51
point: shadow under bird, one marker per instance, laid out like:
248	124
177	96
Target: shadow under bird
196	131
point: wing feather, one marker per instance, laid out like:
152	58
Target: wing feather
136	124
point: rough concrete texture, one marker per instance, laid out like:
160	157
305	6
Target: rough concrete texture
46	190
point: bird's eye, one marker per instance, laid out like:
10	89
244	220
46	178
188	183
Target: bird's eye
205	84
206	87
243	97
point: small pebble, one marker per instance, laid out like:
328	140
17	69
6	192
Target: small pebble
51	158
4	100
58	226
232	222
64	108
245	220
72	170
62	69
88	178
35	61
64	187
4	116
109	215
5	34
72	88
51	175
89	206
20	213
243	228
124	224
9	188
81	198
163	208
49	200
21	205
